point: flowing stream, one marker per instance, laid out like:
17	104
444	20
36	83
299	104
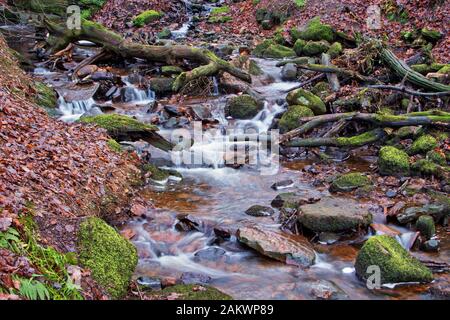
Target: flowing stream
218	196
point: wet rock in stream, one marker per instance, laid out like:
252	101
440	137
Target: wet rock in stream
292	200
150	283
334	215
210	254
260	211
282	184
187	222
194	278
294	250
327	290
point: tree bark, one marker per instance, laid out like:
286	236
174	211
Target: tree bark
114	43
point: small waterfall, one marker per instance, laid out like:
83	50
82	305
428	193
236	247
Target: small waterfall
72	111
182	32
135	95
215	87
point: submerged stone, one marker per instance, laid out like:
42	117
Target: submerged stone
334	215
395	263
282	247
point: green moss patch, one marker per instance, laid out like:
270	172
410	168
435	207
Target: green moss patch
437	157
425	168
423	144
45	96
277	51
395	263
392	161
315	31
335	49
313	48
146	17
114	145
157	174
110	257
117	123
290	119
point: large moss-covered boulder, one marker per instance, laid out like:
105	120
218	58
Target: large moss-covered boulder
313	48
392	161
315	31
349	182
146	17
290	119
242	107
395	263
261	47
308	99
423	144
110	257
334	215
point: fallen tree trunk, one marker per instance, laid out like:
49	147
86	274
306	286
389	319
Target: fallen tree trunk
403	89
426	118
114	43
332	77
343	142
404	71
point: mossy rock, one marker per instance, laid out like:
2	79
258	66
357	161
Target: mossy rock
299	45
114	145
116	123
290	119
308	99
146	17
46	97
423	144
431	35
157	174
334	215
313	48
162	85
277	51
171	70
220	10
349	182
254	69
335	50
111	258
164	34
395	263
261	47
425	225
56	7
392	161
315	31
193	292
425	168
408	132
437	157
321	89
242	107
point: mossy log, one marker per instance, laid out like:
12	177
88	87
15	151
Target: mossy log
434	117
404	71
114	43
342	142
